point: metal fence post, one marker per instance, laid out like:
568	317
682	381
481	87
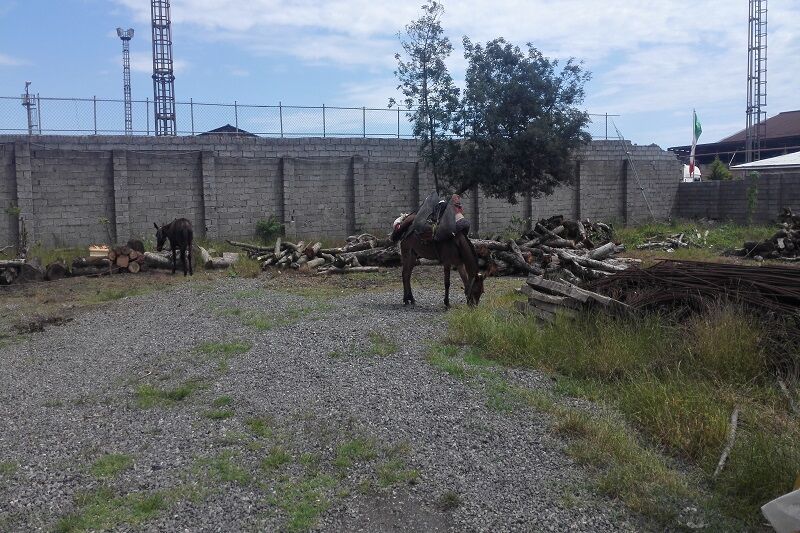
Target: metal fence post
398	122
39	111
94	101
191	112
147	113
606	126
280	113
236	115
324	130
364	120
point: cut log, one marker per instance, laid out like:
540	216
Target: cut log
561	301
134	255
349	270
564	289
55	271
156	260
277	249
122	261
314	263
112	255
83	262
136	244
123	250
602	252
134	267
312	250
7	276
251	247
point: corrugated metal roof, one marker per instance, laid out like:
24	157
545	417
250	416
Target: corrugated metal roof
781	161
784	124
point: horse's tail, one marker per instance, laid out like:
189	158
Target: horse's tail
400	231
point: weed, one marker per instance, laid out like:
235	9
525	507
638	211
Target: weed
102	509
222	401
218	414
303	501
111	465
394	471
448	501
358	449
109	295
440	357
148	396
276	458
245	267
260	427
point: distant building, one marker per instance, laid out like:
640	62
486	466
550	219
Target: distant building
783	136
782	165
227	129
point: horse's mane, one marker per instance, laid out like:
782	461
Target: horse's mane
400	232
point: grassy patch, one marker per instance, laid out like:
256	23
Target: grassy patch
276	458
218	414
358	449
223	352
245	268
111	465
149	396
265	321
395	471
222	468
675	382
303	501
720	236
8	468
380	345
110	295
260	427
102	509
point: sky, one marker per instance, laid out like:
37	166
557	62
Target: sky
652	62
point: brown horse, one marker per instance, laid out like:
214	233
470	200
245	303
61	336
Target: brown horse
456	252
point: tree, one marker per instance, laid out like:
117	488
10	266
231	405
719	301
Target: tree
522	122
426	84
718	170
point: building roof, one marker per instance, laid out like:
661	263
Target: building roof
781	161
786	124
230	130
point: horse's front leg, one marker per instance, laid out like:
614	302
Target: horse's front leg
408	265
191	273
174	260
447	285
462	271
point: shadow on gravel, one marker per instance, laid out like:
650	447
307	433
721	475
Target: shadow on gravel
396	512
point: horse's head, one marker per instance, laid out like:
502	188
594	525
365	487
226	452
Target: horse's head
161	237
475	289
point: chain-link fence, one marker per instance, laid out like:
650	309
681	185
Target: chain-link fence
99	116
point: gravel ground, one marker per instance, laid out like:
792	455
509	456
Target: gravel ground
372	442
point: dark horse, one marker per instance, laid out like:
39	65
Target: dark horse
456	252
179	233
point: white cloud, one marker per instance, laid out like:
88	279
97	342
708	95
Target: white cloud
648	56
8	61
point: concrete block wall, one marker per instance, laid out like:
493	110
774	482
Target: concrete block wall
319	187
728	200
8	194
73	197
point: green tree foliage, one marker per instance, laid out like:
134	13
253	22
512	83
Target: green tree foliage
426	84
718	170
522	121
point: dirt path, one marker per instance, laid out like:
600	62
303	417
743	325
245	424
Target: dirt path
228	406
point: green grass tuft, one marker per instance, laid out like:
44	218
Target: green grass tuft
358	449
276	458
448	501
394	471
148	396
223	352
381	345
222	468
303	501
260	427
111	465
102	510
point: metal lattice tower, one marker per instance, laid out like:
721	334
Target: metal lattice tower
163	76
29	103
756	131
126	36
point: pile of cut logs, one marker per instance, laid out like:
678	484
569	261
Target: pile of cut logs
558	248
547	299
783	245
362	253
676	241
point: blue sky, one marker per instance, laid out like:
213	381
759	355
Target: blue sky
652	61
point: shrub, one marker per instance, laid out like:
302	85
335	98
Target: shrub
268	229
718	170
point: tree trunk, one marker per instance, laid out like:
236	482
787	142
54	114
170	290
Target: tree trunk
55	271
134	267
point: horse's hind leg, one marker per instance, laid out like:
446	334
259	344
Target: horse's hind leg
447	285
191	273
174	260
183	260
408	265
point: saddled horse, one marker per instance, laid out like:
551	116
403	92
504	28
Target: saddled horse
179	232
455	252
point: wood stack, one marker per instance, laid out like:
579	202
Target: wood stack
547	299
16	270
127	258
783	245
361	253
675	241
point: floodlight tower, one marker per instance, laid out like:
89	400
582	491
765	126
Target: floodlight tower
29	103
163	76
126	36
756	131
